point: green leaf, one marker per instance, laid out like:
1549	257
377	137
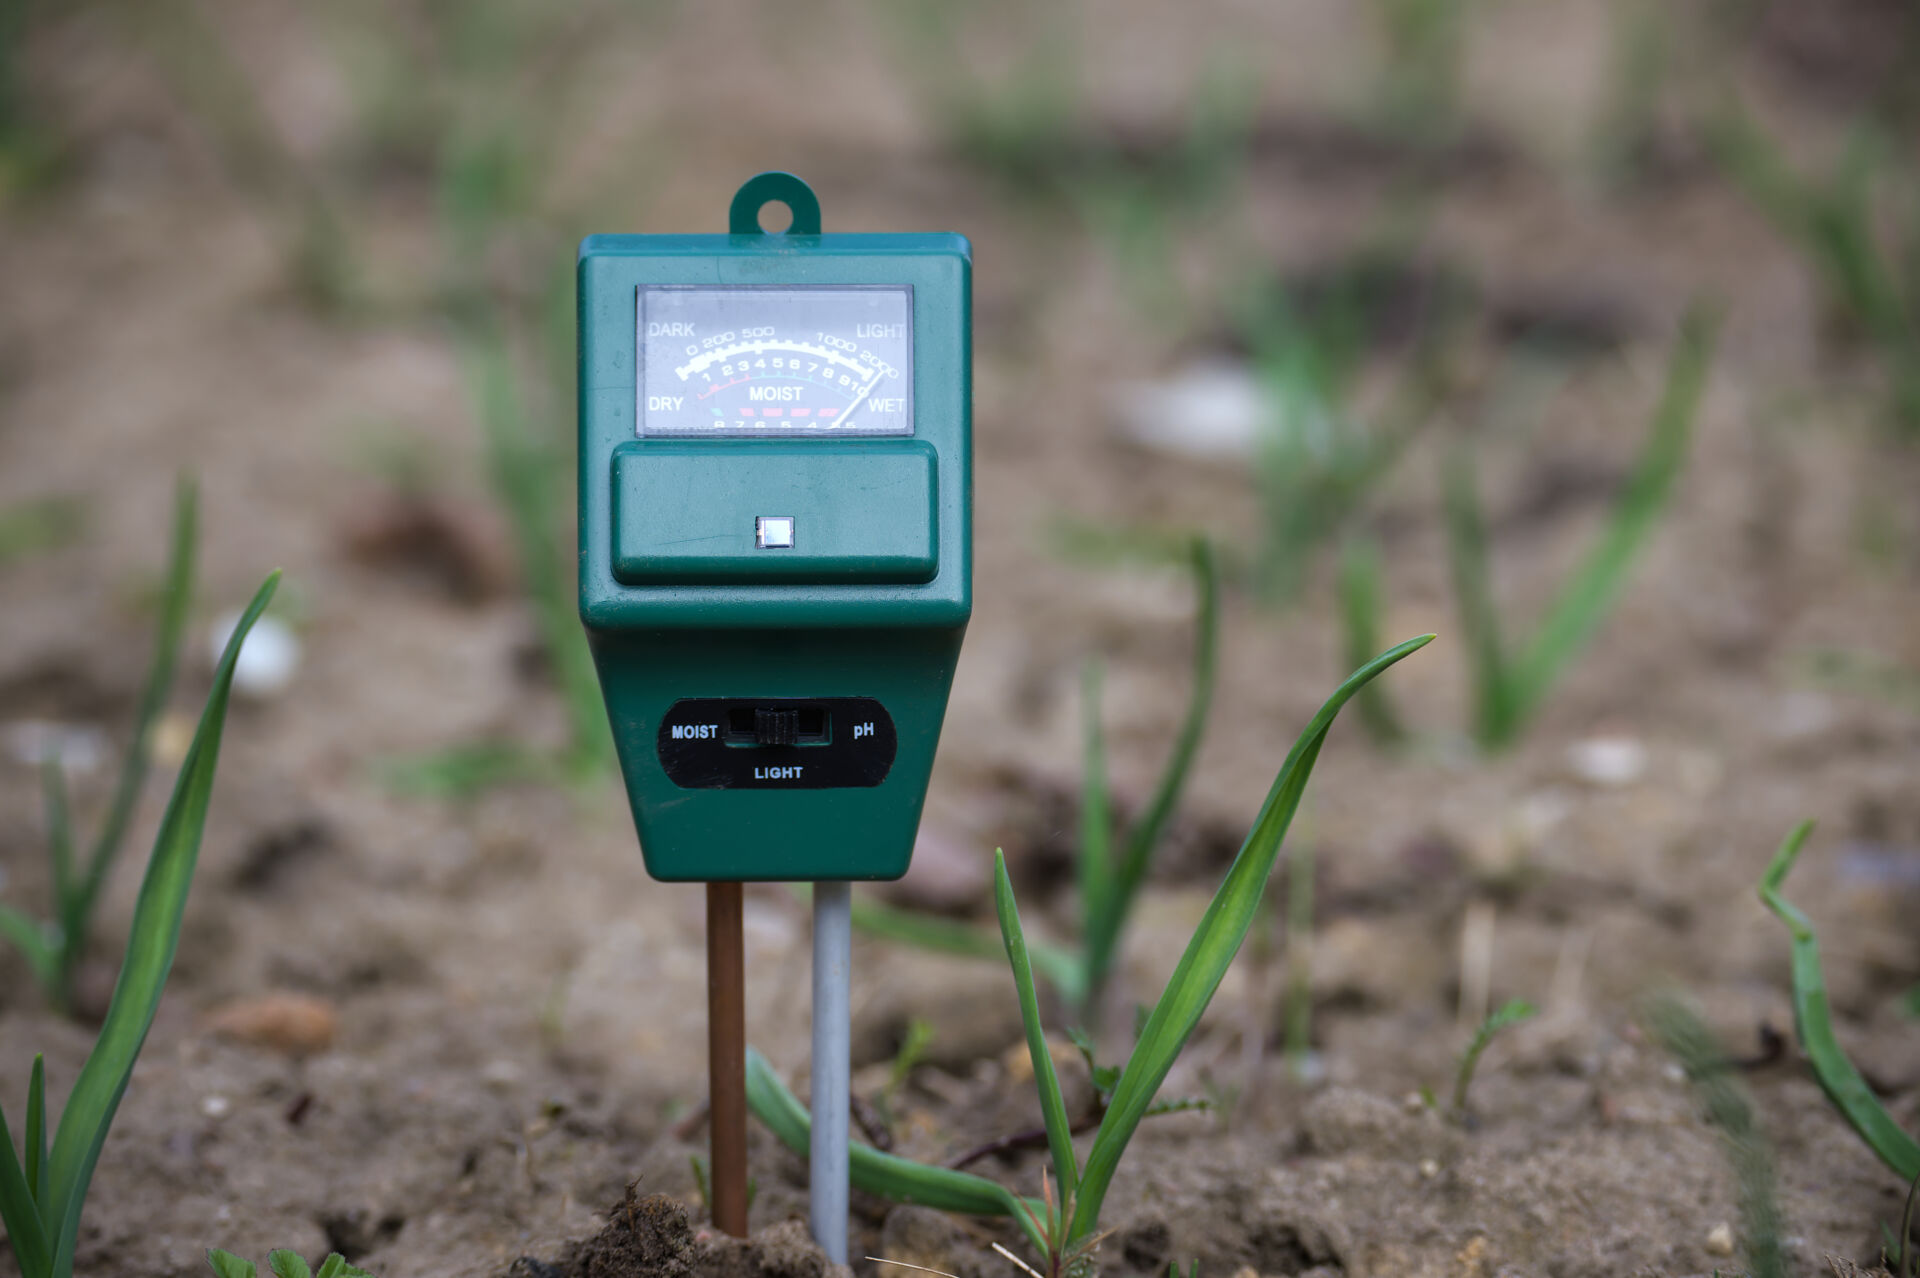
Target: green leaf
1059	967
25	1233
332	1267
287	1264
1360	605
1473	596
1053	1106
175	603
1838	1077
228	1265
29	936
1097	901
1507	1014
36	1148
1587	596
151	943
1214	944
1104	927
53	791
896	1179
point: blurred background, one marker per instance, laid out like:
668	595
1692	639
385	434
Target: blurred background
1585	333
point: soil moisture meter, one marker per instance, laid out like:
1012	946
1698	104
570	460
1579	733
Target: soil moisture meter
775	574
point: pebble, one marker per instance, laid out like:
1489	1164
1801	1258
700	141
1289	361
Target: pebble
1608	761
216	1106
268	658
296	1024
1720	1240
1212	410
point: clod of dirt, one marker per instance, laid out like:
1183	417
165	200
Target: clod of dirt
296	1024
784	1250
948	875
427	539
932	1240
1342	1120
649	1236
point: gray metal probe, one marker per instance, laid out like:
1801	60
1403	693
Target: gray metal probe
832	1066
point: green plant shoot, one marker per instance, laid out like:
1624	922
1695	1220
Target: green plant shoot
44	1186
1173	1020
1505	1016
54	951
1730	1110
282	1264
1814	1019
1508	687
1110	881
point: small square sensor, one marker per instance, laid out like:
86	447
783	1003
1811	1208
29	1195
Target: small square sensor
773	532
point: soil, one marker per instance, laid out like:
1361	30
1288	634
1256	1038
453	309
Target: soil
465	1038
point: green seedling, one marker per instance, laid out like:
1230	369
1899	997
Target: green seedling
1063	1228
1870	276
1814	1019
1510	686
282	1264
1110	875
54	950
1321	458
1507	1015
43	1185
1361	576
1730	1110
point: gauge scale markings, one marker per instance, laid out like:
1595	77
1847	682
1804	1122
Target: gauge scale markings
766	361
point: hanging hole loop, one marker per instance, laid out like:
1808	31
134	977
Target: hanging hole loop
753	206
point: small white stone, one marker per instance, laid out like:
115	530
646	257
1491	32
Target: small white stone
1608	761
1720	1240
77	748
268	658
500	1073
216	1106
1213	410
1429	1168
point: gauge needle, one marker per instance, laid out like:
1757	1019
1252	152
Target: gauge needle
858	400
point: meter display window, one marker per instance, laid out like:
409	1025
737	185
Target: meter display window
770	362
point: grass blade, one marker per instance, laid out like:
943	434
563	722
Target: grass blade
1136	851
1058	967
1096	818
29	937
1730	1110
36	1134
1360	593
151	944
25	1234
1838	1077
1585	599
1473	595
526	477
1208	954
53	790
153	699
1053	1106
896	1179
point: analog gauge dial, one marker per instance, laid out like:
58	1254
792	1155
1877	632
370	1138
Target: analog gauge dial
775	362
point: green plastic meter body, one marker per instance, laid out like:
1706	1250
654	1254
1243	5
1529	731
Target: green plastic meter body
775	533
